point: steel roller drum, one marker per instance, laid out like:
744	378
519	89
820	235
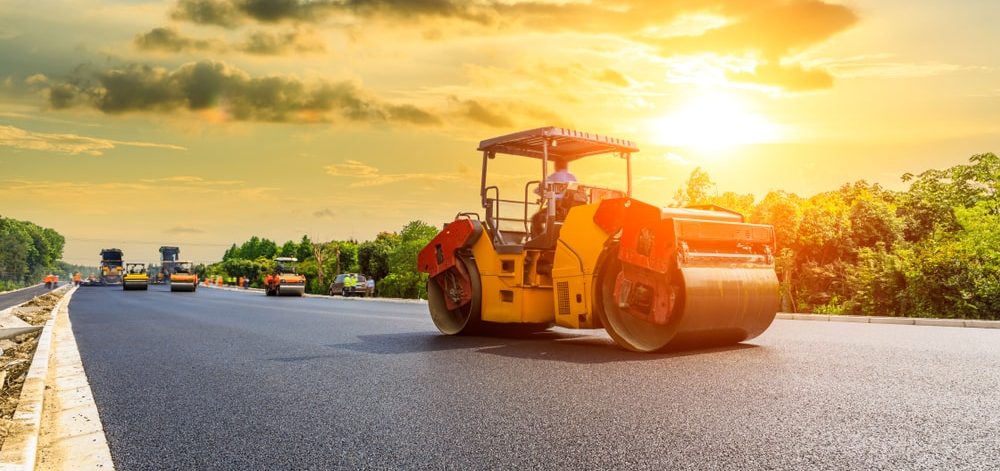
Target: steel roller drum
182	286
291	290
725	305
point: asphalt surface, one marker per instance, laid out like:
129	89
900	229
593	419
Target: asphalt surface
226	380
13	298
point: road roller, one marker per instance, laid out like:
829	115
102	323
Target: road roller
285	281
655	278
136	277
183	278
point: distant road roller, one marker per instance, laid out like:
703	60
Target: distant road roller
591	257
285	281
183	278
136	277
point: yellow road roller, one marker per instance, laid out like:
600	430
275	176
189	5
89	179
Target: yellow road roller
135	277
579	256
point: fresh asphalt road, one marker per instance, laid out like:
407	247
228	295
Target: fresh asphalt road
13	298
237	380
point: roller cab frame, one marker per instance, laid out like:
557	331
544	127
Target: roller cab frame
591	257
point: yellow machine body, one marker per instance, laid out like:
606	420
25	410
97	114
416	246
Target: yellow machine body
564	296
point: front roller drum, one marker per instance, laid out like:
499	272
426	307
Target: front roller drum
454	298
182	286
714	306
130	286
290	290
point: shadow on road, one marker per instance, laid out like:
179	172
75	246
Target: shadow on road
547	345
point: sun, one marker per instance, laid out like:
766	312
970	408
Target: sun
714	121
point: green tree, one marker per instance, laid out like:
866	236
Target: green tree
289	249
404	280
695	190
304	249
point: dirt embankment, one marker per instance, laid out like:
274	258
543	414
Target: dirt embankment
18	350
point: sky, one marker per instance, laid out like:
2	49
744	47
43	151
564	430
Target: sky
200	123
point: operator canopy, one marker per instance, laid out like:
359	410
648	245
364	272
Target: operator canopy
564	144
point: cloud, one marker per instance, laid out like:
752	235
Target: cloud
207	12
234	94
232	13
365	175
170	40
184	230
771	31
503	114
793	78
325	213
259	42
191	180
350	168
613	77
476	112
73	144
882	65
267	43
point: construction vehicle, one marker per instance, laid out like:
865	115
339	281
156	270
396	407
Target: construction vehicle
111	266
136	277
654	278
168	260
285	281
183	277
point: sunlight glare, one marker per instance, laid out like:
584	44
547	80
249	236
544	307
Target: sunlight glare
713	122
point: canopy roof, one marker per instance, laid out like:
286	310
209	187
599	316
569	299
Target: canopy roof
565	144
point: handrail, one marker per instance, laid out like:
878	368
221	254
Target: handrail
526	187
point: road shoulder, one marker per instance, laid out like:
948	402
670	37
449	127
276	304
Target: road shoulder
72	436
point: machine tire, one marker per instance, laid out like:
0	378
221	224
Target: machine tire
627	331
464	320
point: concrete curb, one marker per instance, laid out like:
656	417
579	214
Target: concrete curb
926	321
72	435
375	299
20	449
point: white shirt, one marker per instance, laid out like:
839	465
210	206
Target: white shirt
370	283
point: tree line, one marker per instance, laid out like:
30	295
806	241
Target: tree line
932	250
27	252
390	259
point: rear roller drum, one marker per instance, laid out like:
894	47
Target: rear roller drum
627	331
464	319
